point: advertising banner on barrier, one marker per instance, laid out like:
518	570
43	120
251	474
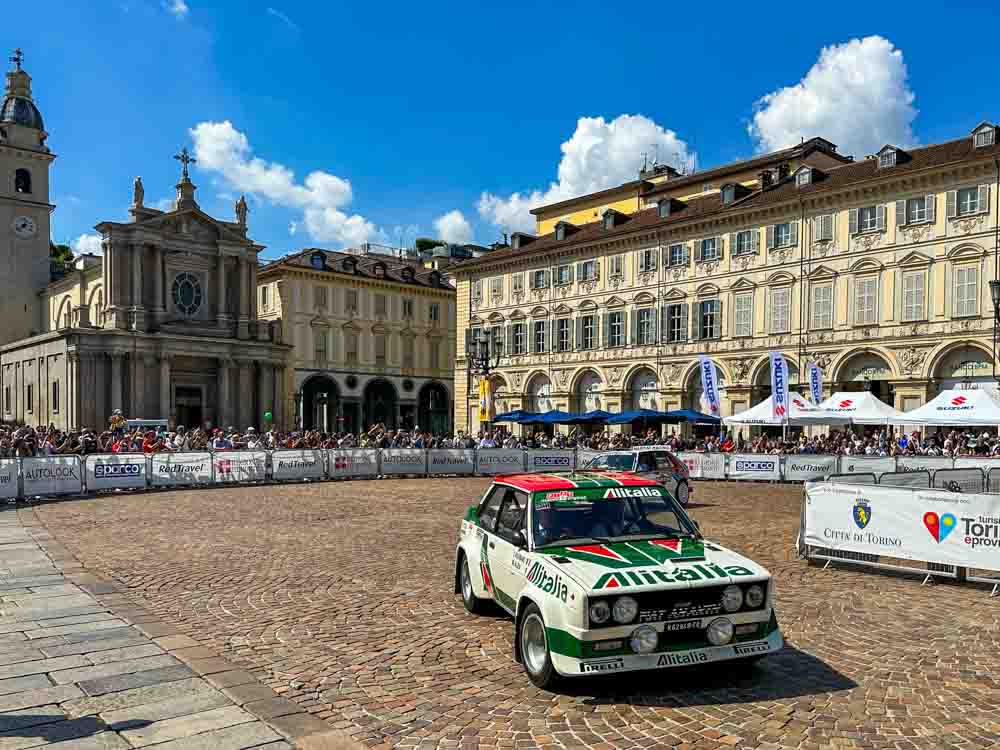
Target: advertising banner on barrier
404	461
863	465
804	468
177	469
980	463
583	457
930	525
8	478
300	464
550	460
110	471
705	465
754	467
53	475
240	466
499	461
922	463
361	462
460	461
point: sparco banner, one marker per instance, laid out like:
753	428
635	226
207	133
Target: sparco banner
175	469
933	526
300	464
123	471
500	461
55	475
8	478
240	466
362	462
556	460
451	461
754	467
863	465
805	468
404	461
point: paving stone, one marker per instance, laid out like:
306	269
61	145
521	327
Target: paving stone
138	696
231	678
39	697
210	666
253	691
92	648
40	666
174	642
11	639
98	671
83	627
134	680
280	745
158	629
100	741
126	653
194	652
192	703
299	725
252	734
269	708
29	717
56	622
17	684
44	591
185	726
328	740
47	734
13	657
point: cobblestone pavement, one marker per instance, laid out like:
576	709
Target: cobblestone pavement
339	596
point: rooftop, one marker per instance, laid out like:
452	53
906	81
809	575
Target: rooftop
357	264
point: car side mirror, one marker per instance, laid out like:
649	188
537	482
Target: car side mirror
519	540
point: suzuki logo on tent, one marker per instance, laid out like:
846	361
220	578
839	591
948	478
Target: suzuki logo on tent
846	403
959	400
798	403
779	410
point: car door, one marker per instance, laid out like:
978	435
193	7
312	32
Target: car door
508	549
489	509
645	465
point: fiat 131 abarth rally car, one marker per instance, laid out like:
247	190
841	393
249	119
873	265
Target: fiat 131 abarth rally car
650	462
604	572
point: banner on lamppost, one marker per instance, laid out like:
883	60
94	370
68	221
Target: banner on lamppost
709	385
779	387
815	382
484	399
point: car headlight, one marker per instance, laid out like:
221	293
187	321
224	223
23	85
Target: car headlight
600	612
755	596
732	598
720	631
625	609
643	639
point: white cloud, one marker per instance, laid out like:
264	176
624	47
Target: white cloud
87	243
453	227
164	204
283	18
599	155
224	150
293	227
856	95
177	8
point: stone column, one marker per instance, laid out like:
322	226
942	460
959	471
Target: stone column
279	396
117	383
243	403
116	313
159	310
243	300
264	396
166	409
71	404
138	309
223	413
220	291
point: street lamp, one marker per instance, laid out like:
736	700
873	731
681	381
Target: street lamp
482	353
995	296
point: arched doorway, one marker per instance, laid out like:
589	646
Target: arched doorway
320	404
866	371
380	402
965	367
588	393
539	394
644	390
693	389
761	388
433	409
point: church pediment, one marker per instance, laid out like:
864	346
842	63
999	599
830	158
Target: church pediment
192	224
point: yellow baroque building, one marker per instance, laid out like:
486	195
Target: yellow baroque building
878	269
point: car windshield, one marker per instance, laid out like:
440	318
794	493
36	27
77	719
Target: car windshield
583	516
611	461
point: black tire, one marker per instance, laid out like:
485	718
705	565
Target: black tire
472	603
537	663
683	493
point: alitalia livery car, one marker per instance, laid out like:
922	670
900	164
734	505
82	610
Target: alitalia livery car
605	572
650	462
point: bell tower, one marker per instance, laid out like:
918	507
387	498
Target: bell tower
25	210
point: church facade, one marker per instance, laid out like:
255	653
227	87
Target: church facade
162	325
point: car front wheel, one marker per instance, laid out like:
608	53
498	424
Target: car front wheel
535	649
683	493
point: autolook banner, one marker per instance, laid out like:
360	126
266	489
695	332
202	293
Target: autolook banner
8	478
53	475
499	461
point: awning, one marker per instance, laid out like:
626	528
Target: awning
862	408
966	407
800	412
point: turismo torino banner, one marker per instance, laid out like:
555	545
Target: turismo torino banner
121	471
404	461
704	465
8	478
500	461
804	468
554	460
177	469
299	464
240	466
362	462
460	461
912	524
754	466
53	475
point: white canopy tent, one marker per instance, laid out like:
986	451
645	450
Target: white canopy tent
973	407
863	408
800	413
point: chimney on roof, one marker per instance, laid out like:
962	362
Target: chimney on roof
765	179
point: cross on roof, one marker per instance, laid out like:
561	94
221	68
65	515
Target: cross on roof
18	58
185	158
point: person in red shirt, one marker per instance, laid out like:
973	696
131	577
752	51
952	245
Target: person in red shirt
151	444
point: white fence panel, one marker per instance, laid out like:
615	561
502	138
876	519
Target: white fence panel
922	463
550	460
111	471
864	465
753	466
583	456
52	475
179	469
499	461
705	465
240	466
298	464
979	463
361	462
8	478
403	461
458	461
803	468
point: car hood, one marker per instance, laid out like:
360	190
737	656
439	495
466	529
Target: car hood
652	564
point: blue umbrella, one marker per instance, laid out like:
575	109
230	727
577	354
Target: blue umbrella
515	416
550	417
690	415
627	417
597	416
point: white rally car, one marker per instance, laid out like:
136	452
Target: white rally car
650	462
604	572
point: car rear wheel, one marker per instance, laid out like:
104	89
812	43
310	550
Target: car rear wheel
472	602
683	493
535	649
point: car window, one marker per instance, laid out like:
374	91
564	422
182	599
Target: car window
647	462
490	506
663	462
511	518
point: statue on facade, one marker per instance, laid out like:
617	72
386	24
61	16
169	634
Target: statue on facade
241	211
138	193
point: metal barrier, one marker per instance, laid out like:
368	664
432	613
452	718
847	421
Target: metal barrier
916	479
866	478
967	480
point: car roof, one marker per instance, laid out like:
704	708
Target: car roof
573	480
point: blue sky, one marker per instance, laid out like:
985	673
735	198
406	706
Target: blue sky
356	121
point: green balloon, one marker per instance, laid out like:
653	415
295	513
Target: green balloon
268	417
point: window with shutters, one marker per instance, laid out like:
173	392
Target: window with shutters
646	327
434	351
55	395
709	319
616	328
663	208
539	279
803	177
824	228
781	304
351	302
319	342
647	259
381	305
319	297
263	298
539	336
589	329
783	235
588	270
868	219
381	343
677	255
887	158
710	249
496	287
968	201
822	306
913	296
985	137
408	357
351	347
916	210
564	275
6	399
966	291
407	309
866	300
519	342
562	334
743	315
434	312
745	243
477	291
676	323
517	283
30	397
617	263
